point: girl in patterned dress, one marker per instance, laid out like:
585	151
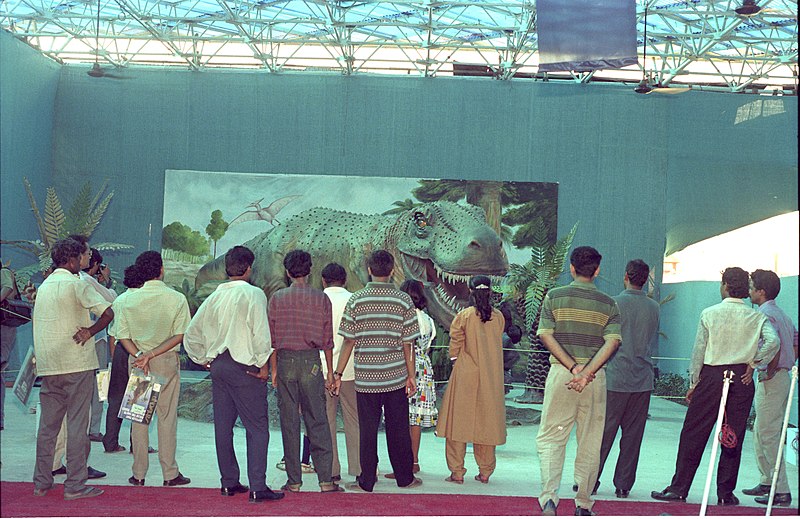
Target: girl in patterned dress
422	410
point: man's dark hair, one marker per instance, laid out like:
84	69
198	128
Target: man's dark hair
131	277
298	263
738	282
767	281
585	260
80	238
66	249
514	333
381	263
637	271
413	288
334	274
95	259
149	265
237	260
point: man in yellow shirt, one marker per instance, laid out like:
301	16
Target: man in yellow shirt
150	326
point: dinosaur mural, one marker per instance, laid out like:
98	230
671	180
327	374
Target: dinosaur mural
440	244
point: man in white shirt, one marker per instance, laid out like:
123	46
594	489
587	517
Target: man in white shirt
334	278
66	361
733	338
230	331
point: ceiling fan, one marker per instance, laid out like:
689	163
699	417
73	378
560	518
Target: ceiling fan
647	85
97	70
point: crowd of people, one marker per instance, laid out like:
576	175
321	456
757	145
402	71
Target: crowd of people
368	352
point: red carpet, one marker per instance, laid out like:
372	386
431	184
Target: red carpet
18	501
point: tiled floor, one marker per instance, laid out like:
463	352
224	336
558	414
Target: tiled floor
517	471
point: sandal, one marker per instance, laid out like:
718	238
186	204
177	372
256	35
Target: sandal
453	479
330	487
482	479
291	487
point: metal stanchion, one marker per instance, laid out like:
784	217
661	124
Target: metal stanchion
726	384
783	439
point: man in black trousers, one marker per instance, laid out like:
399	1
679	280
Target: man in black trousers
230	331
119	372
733	338
629	377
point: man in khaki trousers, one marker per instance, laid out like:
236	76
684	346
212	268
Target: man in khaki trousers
334	278
581	328
150	326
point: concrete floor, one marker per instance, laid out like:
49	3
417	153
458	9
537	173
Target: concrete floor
517	471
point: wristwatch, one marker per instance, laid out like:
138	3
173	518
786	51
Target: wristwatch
337	374
138	354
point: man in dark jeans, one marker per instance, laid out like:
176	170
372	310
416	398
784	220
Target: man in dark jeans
300	325
119	372
380	323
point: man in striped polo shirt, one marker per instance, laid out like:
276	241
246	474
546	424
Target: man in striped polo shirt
380	324
580	326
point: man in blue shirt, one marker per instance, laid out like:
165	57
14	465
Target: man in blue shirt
772	389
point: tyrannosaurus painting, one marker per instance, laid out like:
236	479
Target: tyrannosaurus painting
441	244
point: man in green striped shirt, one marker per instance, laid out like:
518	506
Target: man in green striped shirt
581	328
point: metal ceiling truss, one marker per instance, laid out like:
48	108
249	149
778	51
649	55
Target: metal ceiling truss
702	43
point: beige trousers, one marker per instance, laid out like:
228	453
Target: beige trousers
484	456
563	409
167	367
771	397
346	397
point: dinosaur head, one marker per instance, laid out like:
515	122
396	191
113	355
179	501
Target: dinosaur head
443	244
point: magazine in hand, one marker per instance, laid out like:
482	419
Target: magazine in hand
25	378
140	398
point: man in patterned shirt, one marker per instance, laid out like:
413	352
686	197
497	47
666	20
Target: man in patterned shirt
581	327
379	326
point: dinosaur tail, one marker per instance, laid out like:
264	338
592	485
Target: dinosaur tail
212	271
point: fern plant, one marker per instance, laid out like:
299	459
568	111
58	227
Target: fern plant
82	217
529	283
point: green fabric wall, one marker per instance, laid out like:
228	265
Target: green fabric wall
587	138
28	85
679	319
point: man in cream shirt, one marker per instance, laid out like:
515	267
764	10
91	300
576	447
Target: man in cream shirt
150	325
230	331
334	278
66	360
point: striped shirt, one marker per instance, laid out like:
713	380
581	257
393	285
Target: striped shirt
300	319
580	318
379	318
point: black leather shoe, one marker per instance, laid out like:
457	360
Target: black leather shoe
238	488
583	511
622	494
778	500
758	490
60	471
136	482
177	480
550	508
265	495
729	500
95	474
667	495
